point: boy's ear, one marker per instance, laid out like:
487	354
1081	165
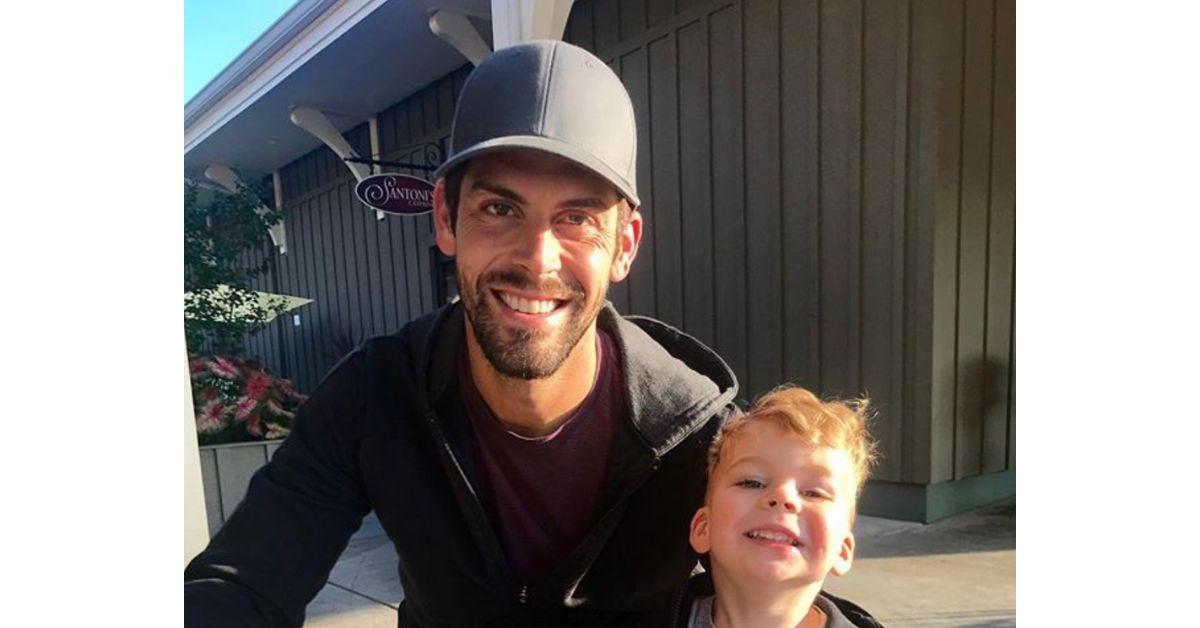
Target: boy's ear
698	534
841	565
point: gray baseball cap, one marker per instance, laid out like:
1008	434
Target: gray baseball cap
553	97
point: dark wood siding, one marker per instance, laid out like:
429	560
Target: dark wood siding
965	130
884	132
828	198
998	394
828	195
366	276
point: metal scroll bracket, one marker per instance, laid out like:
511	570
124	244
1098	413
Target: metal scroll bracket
430	150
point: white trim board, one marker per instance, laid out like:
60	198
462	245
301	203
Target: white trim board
289	55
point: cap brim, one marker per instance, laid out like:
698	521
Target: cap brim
545	145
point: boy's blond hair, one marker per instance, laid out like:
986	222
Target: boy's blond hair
836	424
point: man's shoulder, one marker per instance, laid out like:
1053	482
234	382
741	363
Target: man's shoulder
405	349
648	340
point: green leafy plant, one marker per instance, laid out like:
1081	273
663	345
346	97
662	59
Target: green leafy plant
219	306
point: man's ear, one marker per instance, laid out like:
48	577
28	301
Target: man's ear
698	533
441	220
627	246
845	557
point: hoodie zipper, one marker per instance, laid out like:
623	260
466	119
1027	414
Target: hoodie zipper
676	617
606	523
476	519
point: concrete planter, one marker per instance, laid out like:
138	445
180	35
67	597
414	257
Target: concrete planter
226	471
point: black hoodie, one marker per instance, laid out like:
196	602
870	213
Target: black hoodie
386	430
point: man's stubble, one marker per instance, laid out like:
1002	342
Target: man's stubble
521	353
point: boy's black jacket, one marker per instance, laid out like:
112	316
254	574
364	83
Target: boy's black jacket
386	430
845	614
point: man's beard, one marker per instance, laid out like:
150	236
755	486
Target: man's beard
519	352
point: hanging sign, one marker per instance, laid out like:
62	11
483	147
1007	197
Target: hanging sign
396	193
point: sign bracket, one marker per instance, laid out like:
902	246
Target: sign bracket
392	164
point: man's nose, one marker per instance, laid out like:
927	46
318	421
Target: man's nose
540	251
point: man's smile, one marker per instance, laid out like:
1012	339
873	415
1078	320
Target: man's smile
528	303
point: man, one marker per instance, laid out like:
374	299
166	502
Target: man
535	457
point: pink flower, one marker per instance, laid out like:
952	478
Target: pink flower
259	381
211	418
277	409
244	408
254	426
276	431
223	368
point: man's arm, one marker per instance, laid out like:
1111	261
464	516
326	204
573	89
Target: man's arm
275	552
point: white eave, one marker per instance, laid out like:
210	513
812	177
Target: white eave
282	33
350	58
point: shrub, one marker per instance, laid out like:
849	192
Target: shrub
220	307
236	400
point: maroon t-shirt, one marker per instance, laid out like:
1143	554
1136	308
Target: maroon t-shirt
544	490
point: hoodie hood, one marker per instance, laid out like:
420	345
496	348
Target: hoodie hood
839	612
668	374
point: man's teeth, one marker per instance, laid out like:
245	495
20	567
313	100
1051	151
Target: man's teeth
776	537
528	306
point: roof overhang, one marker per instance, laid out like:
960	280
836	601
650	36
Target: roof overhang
348	58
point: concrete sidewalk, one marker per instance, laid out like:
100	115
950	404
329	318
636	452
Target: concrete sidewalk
960	571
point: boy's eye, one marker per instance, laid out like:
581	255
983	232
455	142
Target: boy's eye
816	494
750	483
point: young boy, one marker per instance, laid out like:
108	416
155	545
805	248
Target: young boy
783	480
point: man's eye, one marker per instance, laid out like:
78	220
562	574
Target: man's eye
750	483
575	220
498	209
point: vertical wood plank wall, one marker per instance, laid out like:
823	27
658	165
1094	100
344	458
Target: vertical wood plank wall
803	163
366	276
829	200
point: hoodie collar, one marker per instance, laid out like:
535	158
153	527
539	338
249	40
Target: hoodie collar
673	381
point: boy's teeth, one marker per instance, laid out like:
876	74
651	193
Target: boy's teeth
776	537
527	306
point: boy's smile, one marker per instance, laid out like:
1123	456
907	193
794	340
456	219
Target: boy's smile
779	510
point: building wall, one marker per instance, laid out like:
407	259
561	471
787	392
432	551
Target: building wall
366	276
828	192
964	186
776	211
829	201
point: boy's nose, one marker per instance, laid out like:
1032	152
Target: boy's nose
788	504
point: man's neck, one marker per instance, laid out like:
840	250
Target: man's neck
536	407
779	606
